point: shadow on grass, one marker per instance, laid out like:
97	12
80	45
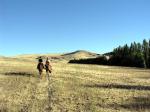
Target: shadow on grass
20	74
138	104
119	86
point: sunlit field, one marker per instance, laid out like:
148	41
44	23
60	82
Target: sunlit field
73	88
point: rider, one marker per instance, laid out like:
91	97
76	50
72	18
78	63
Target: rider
48	66
40	67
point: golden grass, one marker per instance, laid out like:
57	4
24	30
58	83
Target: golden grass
73	88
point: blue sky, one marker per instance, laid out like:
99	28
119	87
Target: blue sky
53	26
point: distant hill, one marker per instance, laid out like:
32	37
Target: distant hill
78	55
60	57
108	54
13	59
35	56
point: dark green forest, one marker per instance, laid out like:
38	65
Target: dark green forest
134	55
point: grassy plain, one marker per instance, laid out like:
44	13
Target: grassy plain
73	88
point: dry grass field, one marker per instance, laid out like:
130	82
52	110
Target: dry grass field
73	88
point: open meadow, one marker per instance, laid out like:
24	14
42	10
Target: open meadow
72	88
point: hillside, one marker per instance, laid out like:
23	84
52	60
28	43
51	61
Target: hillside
79	54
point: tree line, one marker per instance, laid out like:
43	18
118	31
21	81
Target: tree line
134	55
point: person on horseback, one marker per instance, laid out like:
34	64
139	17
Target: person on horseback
40	67
48	66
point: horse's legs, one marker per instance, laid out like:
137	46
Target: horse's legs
40	74
47	74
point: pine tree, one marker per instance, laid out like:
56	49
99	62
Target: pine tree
146	52
135	47
139	47
149	55
126	50
131	48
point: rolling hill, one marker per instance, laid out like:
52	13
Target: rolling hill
79	54
60	57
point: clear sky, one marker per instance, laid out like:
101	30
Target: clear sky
53	26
